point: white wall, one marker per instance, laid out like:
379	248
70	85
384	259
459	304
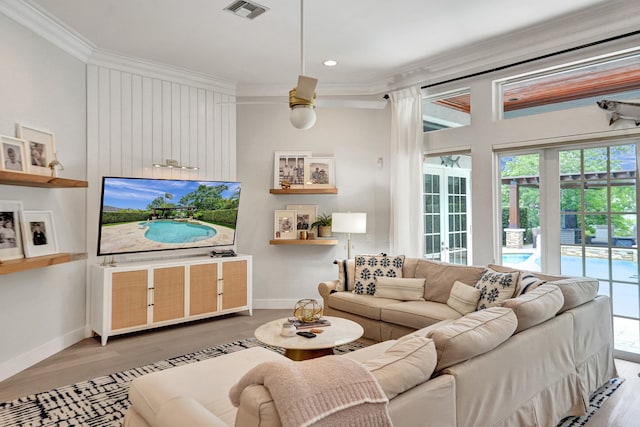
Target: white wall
43	311
356	138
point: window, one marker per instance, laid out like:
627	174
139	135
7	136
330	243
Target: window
616	77
446	110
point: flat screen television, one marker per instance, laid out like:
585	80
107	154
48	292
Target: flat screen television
146	215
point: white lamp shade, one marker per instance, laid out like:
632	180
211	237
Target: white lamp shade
302	116
349	222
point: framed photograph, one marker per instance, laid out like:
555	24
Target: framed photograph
10	238
39	147
289	166
305	215
39	233
12	155
285	225
319	172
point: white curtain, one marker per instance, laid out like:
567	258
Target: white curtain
406	173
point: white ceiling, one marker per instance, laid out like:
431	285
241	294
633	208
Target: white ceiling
379	44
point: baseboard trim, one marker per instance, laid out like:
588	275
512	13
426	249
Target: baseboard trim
38	354
274	304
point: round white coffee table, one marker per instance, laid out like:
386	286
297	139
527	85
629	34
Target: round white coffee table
341	331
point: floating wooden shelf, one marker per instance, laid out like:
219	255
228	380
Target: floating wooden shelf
31	180
304	191
16	265
312	242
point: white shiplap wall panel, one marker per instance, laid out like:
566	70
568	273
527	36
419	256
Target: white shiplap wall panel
115	122
136	126
140	120
192	149
126	123
217	134
104	118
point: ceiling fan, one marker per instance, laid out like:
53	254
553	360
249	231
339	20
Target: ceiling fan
302	98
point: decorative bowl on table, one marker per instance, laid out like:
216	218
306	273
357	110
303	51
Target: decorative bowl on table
307	310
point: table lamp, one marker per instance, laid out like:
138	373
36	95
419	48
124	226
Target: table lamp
349	222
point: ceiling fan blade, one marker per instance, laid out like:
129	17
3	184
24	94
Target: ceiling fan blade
306	87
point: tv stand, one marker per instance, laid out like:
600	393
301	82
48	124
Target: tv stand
144	295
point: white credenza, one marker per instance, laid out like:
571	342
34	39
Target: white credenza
143	295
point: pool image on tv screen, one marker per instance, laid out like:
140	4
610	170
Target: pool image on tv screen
145	214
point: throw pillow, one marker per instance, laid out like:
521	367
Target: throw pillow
345	275
403	289
495	287
464	298
528	282
404	365
441	276
472	335
535	306
368	267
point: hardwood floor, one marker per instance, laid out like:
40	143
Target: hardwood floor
88	359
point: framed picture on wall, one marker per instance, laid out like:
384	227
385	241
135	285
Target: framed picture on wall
319	172
305	215
284	226
39	147
289	166
10	238
12	154
39	233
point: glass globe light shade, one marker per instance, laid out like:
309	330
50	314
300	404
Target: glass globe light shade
302	116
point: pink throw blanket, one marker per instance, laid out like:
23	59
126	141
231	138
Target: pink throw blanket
328	391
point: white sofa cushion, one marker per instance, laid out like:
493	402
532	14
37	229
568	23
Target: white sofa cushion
464	298
471	335
536	306
404	365
368	267
496	287
403	289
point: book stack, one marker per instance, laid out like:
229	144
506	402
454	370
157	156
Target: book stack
308	325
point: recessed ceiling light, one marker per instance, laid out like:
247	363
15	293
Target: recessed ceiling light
330	63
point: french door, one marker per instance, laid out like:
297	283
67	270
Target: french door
447	209
588	215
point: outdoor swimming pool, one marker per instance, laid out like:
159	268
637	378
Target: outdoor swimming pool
625	295
177	231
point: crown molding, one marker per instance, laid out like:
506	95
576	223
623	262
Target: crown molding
591	25
32	17
106	59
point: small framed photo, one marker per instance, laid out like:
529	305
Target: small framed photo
289	166
10	238
285	225
39	147
39	233
305	215
319	172
12	156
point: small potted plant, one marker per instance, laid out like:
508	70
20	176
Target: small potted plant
323	222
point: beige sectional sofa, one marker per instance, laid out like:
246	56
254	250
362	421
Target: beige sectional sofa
528	360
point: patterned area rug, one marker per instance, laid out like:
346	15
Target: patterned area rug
102	402
596	400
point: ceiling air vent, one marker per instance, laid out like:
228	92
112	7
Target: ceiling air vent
246	9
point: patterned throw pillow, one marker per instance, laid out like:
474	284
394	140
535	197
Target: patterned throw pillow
496	287
528	282
369	267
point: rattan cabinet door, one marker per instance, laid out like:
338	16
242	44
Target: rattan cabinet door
234	280
168	293
129	299
203	289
